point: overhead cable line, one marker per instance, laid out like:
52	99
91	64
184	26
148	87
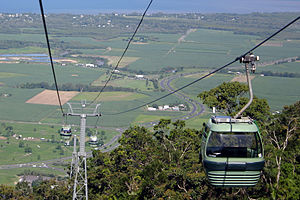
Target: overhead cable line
207	75
124	52
50	55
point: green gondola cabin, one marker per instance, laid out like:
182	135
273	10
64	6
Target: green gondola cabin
232	152
66	131
93	141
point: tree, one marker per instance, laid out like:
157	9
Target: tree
28	149
89	132
258	110
148	165
282	153
155	106
53	138
52	189
9	128
24	188
10	192
21	144
228	97
225	97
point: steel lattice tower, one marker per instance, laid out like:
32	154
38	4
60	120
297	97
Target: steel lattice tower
74	158
80	190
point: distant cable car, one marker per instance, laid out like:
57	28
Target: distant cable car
232	152
93	141
66	131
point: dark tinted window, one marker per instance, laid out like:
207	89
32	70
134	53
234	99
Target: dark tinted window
239	144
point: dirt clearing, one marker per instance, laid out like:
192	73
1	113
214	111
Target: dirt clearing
242	78
112	60
65	61
49	97
272	44
2	138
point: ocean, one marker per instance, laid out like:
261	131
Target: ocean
170	6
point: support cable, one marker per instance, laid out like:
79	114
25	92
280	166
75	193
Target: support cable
50	55
210	73
124	52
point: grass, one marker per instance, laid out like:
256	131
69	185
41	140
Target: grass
125	82
196	123
10	75
14	107
40	151
148	118
113	60
23	37
9	176
24	50
279	91
109	96
293	67
205	84
35	73
135	84
33	130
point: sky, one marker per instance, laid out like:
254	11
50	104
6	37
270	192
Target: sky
172	6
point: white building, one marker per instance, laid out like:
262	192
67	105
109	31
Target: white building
166	107
151	109
139	76
175	108
90	65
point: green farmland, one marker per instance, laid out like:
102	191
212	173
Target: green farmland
293	67
109	96
279	91
191	53
203	49
35	73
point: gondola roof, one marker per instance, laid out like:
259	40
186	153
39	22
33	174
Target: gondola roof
228	124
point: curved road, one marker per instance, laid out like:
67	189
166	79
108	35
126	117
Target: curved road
197	107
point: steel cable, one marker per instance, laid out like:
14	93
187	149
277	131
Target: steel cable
50	55
124	52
